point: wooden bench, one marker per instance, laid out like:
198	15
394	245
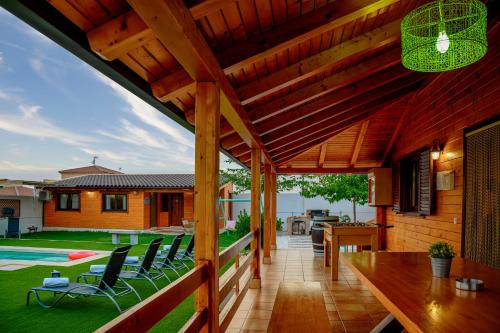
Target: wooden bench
299	307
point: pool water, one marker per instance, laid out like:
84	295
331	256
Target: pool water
33	256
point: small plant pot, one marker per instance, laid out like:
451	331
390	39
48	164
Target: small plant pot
441	267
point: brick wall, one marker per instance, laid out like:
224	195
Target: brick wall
442	110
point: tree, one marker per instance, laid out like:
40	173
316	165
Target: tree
337	187
242	181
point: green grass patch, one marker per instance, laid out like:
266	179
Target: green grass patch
82	315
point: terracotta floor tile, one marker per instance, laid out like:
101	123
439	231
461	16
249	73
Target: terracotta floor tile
351	307
259	314
333	315
358	326
237	323
263	306
256	324
240	314
337	326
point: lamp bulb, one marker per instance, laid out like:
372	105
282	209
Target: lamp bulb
443	42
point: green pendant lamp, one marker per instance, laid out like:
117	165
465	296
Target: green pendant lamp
444	35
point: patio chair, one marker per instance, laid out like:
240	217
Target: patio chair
110	285
187	254
13	227
168	261
139	271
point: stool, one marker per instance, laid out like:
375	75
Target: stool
298	223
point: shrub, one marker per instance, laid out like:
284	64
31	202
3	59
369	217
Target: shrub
242	226
279	224
441	250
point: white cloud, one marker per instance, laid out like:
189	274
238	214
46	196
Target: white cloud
146	112
4	96
107	154
130	133
2	61
30	122
11	166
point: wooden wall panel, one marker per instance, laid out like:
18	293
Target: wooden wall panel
452	102
188	205
91	215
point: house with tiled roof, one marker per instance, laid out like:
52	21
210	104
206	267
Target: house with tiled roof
20	202
123	201
88	170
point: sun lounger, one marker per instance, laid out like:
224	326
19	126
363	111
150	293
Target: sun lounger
109	285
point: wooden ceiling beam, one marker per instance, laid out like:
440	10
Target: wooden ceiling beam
378	38
321	133
297	31
359	141
128	31
325	86
322	155
296	130
174	26
336	97
292	171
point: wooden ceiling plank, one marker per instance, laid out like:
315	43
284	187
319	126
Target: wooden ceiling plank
297	31
378	38
291	171
334	98
291	131
322	155
174	26
359	142
326	85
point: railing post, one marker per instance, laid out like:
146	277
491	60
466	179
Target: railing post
237	266
267	214
206	191
274	191
255	215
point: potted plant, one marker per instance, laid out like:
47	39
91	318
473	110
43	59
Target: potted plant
441	254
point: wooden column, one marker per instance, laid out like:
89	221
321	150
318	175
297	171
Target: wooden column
381	220
267	213
274	191
255	215
206	192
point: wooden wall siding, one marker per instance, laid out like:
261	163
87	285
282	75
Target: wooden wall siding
92	216
147	210
189	205
452	102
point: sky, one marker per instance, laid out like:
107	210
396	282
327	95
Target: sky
57	112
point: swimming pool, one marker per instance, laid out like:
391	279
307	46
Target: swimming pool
33	256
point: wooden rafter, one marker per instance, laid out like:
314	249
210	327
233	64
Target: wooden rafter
325	86
174	26
334	98
322	155
291	171
322	133
359	141
378	38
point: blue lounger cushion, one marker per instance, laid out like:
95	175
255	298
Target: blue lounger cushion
56	282
132	260
166	247
97	268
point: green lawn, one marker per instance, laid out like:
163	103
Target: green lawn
82	315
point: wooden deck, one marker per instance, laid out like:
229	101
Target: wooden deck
351	307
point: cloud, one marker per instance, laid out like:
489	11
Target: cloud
11	166
30	122
2	61
4	96
145	112
130	133
106	154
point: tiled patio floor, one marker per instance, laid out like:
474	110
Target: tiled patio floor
351	307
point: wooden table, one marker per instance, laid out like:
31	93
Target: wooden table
299	307
403	282
336	236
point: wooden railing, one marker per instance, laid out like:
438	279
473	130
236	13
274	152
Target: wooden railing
144	315
230	287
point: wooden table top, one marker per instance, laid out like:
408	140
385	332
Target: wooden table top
403	282
299	307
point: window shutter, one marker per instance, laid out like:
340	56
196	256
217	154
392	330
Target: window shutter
425	183
396	201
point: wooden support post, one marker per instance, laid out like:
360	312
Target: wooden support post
255	215
206	192
267	213
274	191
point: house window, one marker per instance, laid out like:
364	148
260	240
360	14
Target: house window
115	202
164	202
68	201
415	184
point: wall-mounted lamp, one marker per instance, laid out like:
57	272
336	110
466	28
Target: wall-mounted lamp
437	149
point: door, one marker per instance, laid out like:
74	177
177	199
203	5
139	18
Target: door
152	210
481	238
176	209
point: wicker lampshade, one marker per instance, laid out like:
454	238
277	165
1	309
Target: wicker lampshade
444	35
